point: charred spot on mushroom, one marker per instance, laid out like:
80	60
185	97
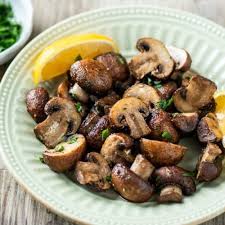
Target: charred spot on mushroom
208	129
156	60
167	89
129	108
209	166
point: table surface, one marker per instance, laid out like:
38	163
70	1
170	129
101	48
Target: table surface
16	206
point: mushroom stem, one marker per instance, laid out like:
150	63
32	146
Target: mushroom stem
170	193
142	167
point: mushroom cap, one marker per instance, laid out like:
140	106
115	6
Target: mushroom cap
36	100
154	58
196	93
79	93
209	166
117	148
91	75
174	175
144	92
170	193
130	111
63	119
186	122
94	172
167	89
63	90
129	185
181	57
208	129
161	153
61	161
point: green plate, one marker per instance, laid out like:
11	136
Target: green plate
20	149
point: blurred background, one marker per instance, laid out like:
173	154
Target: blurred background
16	206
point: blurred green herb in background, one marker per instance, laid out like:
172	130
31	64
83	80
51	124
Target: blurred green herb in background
10	30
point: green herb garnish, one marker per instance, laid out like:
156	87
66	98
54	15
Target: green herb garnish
105	133
78	58
149	81
120	59
166	135
78	107
165	103
108	178
41	159
10	30
157	84
59	148
72	140
189	174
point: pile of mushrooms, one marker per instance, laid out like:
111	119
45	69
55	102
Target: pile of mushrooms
117	125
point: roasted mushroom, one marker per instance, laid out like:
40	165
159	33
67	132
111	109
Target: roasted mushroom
121	86
129	185
62	120
78	93
185	122
142	167
167	89
116	64
162	153
63	90
103	105
154	58
208	129
94	172
92	76
210	163
144	92
173	181
197	94
130	112
36	100
117	149
161	126
181	57
64	156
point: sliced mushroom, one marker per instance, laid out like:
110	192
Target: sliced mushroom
103	105
144	92
116	64
161	153
65	155
142	167
130	111
129	185
197	94
181	57
78	93
92	76
208	129
185	122
117	149
62	120
210	163
36	100
161	126
167	89
154	58
173	181
94	172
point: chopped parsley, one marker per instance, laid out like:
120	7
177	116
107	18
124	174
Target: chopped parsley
105	133
41	159
157	84
59	148
120	59
166	135
165	103
108	178
72	140
78	58
149	81
78	107
189	174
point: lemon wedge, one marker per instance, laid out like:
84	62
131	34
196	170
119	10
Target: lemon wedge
57	58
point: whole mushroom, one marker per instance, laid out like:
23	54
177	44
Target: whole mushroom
62	120
130	112
209	166
65	155
117	149
154	58
78	93
94	172
161	153
167	89
173	182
